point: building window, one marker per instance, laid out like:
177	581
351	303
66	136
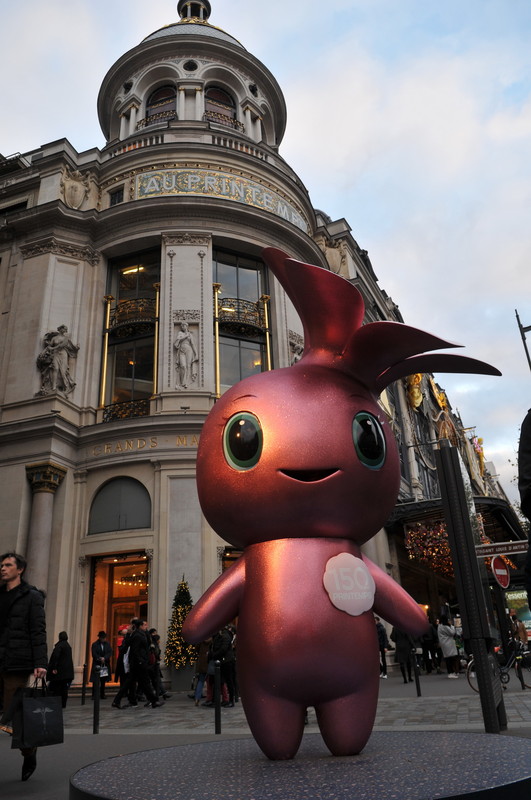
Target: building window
220	107
121	504
163	99
131	335
116	196
242	341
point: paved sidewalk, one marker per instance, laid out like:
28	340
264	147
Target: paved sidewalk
445	705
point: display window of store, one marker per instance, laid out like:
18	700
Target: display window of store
119	591
242	324
130	357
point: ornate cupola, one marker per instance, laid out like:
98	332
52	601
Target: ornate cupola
186	76
199	10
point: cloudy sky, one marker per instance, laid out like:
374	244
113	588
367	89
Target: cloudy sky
409	118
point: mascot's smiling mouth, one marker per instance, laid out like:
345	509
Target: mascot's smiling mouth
308	475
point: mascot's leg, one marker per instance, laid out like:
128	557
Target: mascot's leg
346	723
276	724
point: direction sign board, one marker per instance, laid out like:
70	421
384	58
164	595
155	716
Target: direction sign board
500	571
502	548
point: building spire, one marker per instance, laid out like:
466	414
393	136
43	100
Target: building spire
194	9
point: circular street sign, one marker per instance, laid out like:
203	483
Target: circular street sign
500	571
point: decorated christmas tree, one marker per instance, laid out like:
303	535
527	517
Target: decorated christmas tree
178	652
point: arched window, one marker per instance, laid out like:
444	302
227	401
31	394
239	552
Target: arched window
162	104
220	106
120	505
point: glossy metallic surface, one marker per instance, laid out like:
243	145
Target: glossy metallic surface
309	496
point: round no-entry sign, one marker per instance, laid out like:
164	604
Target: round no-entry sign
500	571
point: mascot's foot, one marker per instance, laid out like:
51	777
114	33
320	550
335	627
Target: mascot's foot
276	724
346	724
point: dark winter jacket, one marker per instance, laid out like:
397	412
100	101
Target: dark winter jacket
61	660
139	649
23	641
97	653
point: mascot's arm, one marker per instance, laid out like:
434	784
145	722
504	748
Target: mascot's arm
394	604
219	604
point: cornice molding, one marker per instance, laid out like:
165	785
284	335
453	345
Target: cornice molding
61	248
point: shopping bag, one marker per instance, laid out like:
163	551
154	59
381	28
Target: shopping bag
37	718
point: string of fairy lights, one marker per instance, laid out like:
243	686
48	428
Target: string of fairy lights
428	544
137	579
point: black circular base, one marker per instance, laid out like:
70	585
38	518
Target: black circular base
394	766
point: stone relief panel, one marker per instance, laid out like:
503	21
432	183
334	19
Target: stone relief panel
53	363
75	187
185	348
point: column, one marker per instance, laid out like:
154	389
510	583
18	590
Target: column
182	100
132	120
199	105
249	123
45	479
123	127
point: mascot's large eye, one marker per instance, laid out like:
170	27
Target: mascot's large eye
242	441
369	440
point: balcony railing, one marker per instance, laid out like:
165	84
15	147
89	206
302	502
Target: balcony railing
223	119
133	408
235	315
141	309
153	119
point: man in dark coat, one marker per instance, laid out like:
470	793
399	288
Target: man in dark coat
101	662
23	650
138	666
61	668
524	487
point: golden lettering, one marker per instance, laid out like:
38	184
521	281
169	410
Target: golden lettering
96	451
119	448
129	444
107	448
153	442
140	444
182	441
195	440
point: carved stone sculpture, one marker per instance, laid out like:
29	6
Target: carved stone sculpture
53	362
186	357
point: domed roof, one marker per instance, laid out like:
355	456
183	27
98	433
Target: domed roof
193	22
193	27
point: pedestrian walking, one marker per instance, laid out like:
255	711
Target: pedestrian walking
23	650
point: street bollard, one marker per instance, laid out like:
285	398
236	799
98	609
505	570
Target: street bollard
416	670
96	699
217	697
84	685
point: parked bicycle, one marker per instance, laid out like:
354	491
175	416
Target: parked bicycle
519	660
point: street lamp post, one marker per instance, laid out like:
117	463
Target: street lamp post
523	330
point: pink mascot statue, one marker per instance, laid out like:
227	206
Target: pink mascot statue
299	467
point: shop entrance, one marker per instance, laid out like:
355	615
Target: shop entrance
119	592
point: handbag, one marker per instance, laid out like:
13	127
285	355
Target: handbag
37	718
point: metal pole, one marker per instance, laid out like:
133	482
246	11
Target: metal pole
156	286
96	698
523	331
217	697
265	301
217	289
84	685
472	603
108	300
416	671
